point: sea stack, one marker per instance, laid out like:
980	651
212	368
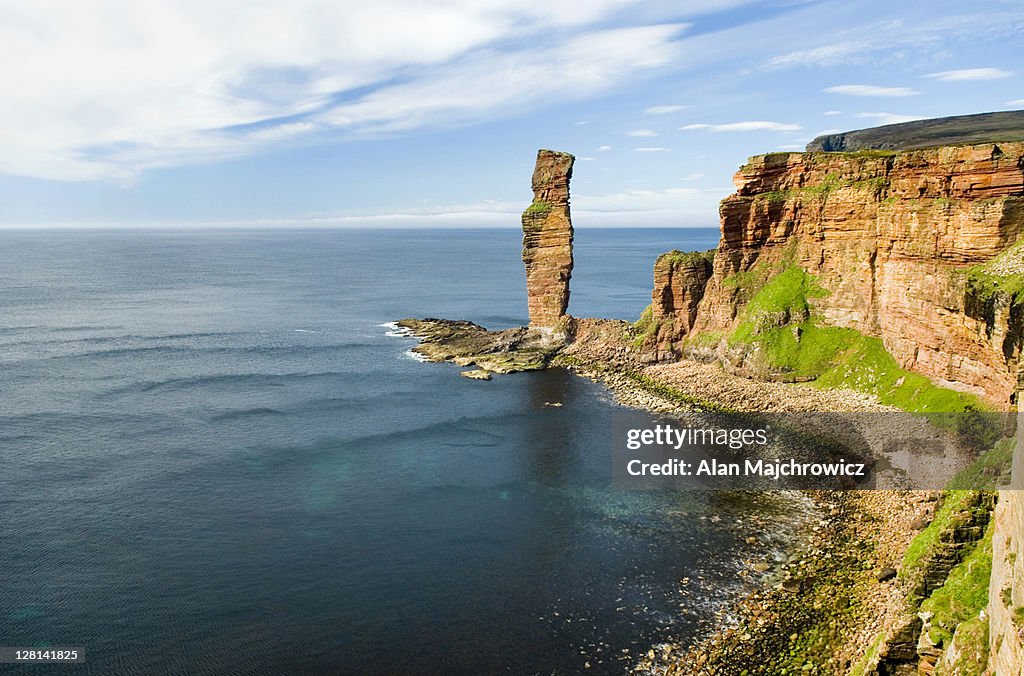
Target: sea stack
547	240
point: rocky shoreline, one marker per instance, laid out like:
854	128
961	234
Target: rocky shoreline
926	319
822	609
818	612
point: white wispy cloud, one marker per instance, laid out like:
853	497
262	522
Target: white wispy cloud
1015	102
869	90
889	118
681	206
792	146
825	55
969	74
642	133
109	88
282	131
491	84
640	198
651	149
692	177
752	125
664	110
603	149
847	34
832	113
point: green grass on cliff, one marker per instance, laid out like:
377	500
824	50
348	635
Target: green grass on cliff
749	282
956	605
1004	274
645	328
686	257
827	186
915	558
778	321
990	470
865	365
965	593
539	209
705	339
871	152
781	300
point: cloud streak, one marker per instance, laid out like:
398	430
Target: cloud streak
889	118
826	55
664	110
752	125
870	90
969	75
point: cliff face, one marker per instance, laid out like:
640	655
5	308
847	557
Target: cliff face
547	240
909	247
679	283
1006	585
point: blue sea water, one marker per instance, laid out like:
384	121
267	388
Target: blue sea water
215	460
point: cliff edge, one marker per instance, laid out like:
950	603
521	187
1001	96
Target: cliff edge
943	131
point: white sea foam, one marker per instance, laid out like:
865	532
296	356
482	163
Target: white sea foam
304	331
395	331
414	355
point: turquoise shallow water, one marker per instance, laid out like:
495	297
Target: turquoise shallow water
215	460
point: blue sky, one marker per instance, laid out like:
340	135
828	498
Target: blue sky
312	113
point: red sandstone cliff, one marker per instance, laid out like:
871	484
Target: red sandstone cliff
547	240
890	237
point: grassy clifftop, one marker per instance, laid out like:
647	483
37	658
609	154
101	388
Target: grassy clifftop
958	130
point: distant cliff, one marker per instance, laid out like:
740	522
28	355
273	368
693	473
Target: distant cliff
944	131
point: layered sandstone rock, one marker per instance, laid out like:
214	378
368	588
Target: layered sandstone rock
679	283
547	240
890	236
1006	584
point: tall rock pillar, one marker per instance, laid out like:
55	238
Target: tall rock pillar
547	240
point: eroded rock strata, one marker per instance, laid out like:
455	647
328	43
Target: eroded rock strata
1006	583
910	247
547	240
467	344
679	283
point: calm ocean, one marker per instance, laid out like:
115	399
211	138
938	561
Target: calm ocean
214	460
